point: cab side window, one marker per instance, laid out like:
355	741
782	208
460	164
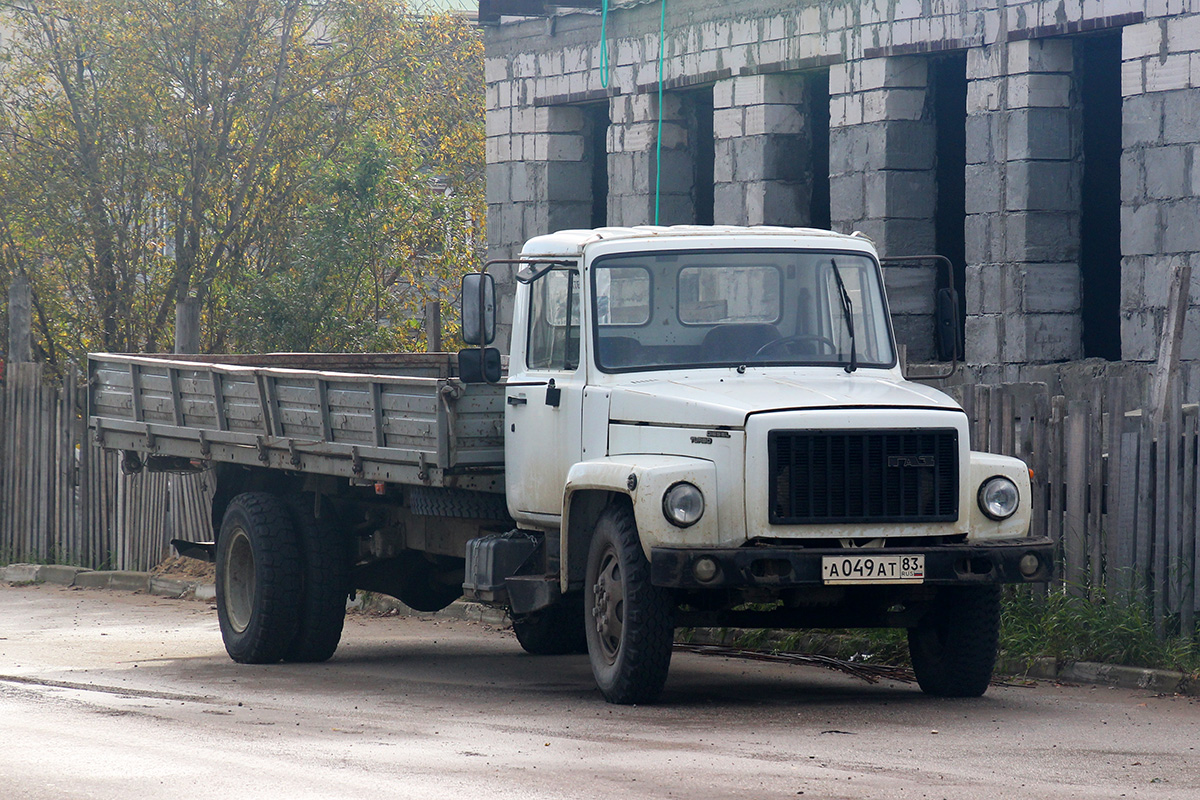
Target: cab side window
554	322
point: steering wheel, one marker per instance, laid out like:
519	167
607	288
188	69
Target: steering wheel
786	341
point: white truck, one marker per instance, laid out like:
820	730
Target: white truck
698	426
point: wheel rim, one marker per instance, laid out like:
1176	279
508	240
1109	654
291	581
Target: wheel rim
239	580
608	605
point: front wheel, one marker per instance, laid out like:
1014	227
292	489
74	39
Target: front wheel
953	649
258	579
630	623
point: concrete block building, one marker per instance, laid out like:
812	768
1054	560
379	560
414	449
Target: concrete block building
1049	148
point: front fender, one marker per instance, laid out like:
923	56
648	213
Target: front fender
987	465
644	479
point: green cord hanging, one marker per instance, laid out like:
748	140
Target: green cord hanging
604	44
662	25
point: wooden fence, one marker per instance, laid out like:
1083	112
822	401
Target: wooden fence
64	500
1117	492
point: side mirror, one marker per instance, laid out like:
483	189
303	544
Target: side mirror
946	321
479	365
478	309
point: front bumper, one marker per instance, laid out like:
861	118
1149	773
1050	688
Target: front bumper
786	567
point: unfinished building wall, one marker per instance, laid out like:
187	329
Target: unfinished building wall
634	166
898	73
1022	235
1160	177
539	178
883	181
763	140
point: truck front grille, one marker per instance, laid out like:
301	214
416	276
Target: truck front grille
863	476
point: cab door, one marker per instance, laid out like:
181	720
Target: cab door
544	398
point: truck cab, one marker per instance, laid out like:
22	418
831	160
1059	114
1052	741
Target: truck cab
710	426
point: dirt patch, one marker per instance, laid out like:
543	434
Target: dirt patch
184	567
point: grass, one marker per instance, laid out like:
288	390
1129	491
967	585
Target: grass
862	645
867	645
1069	628
1065	628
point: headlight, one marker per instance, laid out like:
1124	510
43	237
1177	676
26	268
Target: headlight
683	504
998	497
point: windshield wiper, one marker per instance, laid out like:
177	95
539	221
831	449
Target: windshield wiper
848	312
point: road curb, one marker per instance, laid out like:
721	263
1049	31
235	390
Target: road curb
1154	680
1115	676
113	579
42	573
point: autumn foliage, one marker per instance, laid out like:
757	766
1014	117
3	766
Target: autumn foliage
309	172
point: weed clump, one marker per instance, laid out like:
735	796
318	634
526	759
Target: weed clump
1097	628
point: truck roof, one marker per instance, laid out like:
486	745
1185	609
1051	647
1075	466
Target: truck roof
572	242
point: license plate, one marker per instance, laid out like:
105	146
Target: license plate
873	569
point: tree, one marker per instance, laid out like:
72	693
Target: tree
393	219
153	150
74	213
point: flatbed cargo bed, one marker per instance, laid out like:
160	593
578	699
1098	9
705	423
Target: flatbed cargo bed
402	418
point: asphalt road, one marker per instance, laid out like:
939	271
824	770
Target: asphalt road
112	695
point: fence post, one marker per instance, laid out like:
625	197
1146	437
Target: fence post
433	326
1041	467
1121	553
20	320
1095	488
1187	530
1159	562
1172	580
1058	406
1171	340
85	516
1114	397
187	325
1145	507
1075	519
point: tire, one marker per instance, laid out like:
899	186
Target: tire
953	650
554	631
435	501
630	623
325	571
258	579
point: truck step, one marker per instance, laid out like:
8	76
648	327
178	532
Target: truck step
204	551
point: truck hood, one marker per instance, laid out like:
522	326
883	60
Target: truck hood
715	401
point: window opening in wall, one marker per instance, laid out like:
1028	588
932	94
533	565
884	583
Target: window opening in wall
597	122
1098	76
816	114
948	82
698	106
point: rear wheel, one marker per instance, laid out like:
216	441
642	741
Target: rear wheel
953	649
258	579
326	583
554	631
629	621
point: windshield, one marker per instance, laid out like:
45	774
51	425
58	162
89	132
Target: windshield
760	307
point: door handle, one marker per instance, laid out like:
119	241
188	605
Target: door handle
513	400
